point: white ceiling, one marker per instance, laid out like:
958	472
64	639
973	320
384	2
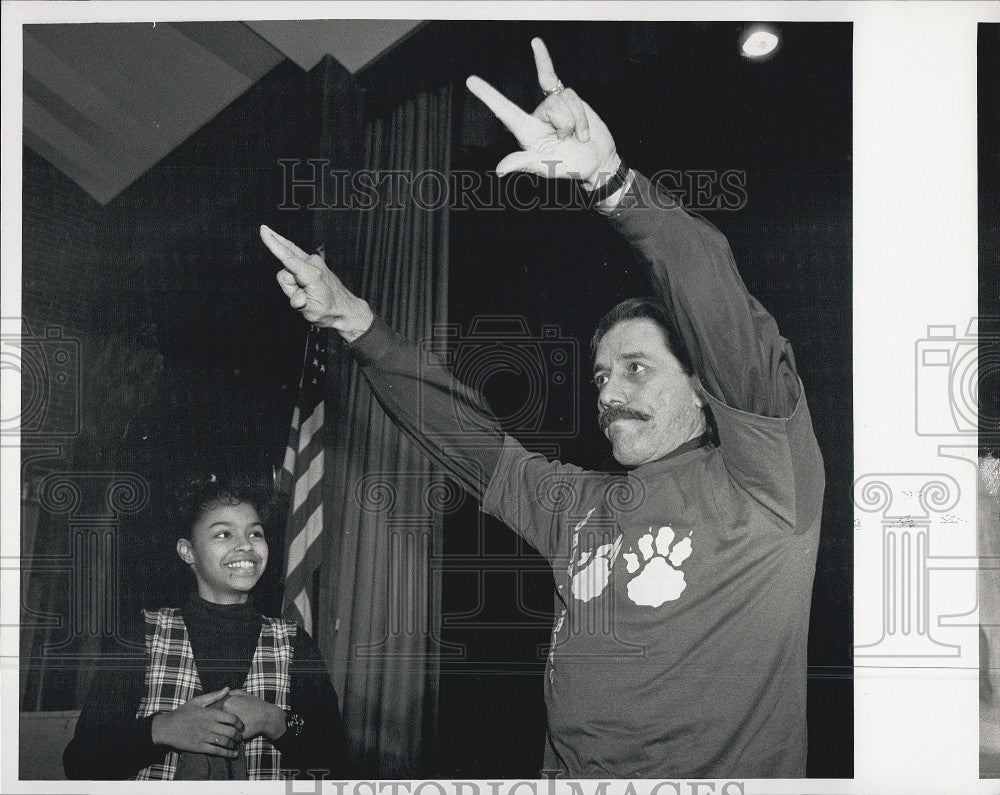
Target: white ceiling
104	102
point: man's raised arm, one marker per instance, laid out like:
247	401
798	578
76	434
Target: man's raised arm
423	401
733	342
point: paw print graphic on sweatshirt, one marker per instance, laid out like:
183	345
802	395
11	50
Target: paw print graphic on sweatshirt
589	576
656	568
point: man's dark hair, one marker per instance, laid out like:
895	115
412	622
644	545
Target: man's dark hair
202	490
645	307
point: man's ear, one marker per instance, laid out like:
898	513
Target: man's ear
185	551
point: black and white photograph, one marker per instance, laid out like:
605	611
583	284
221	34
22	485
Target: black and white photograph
461	396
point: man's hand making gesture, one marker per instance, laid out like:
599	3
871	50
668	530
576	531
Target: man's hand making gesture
562	138
315	290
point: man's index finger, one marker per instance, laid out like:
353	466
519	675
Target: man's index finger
292	257
283	244
512	117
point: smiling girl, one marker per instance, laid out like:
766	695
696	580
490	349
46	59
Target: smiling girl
226	692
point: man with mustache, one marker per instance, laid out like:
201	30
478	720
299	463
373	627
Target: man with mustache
683	587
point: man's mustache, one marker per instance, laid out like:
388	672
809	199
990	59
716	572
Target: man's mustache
620	413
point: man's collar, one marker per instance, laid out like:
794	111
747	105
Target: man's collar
691	444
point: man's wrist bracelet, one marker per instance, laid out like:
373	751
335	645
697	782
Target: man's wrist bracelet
613	185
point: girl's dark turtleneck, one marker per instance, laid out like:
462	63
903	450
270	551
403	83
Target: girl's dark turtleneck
110	742
223	639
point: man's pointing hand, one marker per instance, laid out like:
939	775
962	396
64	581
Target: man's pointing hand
314	290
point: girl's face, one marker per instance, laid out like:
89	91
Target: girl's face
226	551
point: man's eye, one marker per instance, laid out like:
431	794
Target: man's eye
635	367
600	379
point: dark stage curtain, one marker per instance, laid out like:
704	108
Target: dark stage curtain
377	604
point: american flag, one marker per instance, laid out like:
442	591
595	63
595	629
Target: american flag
301	477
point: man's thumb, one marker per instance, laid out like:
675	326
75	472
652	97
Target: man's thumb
206	699
532	163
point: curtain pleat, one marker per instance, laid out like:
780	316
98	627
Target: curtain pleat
376	602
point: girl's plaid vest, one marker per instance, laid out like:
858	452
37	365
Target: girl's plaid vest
171	680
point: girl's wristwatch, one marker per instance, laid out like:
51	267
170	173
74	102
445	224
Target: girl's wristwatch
293	723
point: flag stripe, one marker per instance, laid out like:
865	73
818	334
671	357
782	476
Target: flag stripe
301	478
299	545
311	425
308	481
303	516
313	445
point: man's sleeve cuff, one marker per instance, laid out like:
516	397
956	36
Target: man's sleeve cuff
373	344
640	211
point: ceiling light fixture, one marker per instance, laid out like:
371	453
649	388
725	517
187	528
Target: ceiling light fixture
758	42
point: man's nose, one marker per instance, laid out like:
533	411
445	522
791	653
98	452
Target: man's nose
611	394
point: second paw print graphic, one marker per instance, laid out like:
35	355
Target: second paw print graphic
656	567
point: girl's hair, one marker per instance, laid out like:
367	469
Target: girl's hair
204	490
